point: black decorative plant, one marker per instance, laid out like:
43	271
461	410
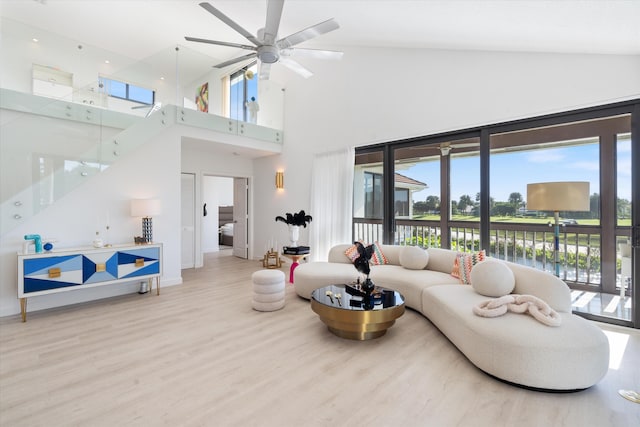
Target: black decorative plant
298	219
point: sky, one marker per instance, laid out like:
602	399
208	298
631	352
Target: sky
511	172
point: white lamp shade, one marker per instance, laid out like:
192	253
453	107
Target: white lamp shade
145	207
558	196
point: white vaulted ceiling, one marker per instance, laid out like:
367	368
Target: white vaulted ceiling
140	28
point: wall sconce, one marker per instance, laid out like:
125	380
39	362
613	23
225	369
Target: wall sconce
279	180
146	208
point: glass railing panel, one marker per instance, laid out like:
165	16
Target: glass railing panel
260	132
202	120
175	74
49	148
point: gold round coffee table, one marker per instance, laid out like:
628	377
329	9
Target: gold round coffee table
355	317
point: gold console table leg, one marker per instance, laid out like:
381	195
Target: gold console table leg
157	285
23	309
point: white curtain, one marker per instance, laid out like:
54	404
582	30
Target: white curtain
331	201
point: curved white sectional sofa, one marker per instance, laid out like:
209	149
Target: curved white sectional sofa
515	348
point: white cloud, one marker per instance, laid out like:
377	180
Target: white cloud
624	166
590	166
545	157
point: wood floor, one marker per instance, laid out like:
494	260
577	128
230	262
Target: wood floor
198	355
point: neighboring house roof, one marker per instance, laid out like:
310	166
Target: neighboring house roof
399	178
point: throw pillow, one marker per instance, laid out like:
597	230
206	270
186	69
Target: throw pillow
492	279
377	257
413	258
352	252
463	264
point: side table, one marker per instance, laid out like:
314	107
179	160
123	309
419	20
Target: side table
295	263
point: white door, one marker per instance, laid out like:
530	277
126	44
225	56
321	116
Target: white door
240	217
187	192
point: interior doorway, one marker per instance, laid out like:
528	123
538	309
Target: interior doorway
225	220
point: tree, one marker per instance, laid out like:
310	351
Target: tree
465	200
503	209
623	208
433	203
594	205
515	200
420	208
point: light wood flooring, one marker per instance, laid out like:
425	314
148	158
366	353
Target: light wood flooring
198	355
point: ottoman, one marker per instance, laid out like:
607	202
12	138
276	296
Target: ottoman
268	290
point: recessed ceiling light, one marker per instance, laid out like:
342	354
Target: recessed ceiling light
106	61
161	78
35	40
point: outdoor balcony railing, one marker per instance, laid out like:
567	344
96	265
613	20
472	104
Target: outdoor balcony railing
526	244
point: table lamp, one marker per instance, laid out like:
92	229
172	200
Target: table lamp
146	208
556	197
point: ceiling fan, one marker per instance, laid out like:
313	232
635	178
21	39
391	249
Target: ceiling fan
269	50
446	147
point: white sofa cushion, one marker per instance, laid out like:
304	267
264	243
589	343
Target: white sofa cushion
441	260
313	275
414	258
516	347
409	283
492	279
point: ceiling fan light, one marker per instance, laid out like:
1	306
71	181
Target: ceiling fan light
268	54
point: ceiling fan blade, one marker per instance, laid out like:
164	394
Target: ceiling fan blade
312	53
235	60
224	18
295	67
308	33
216	42
265	70
274	12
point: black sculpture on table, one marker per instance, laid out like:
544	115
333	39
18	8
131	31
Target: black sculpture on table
362	265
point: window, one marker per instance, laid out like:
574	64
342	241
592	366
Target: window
372	195
402	202
123	90
467	190
241	90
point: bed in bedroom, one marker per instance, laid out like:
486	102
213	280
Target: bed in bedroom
225	225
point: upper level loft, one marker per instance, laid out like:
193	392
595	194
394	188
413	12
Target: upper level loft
70	110
48	65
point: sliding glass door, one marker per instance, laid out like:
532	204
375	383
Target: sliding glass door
468	191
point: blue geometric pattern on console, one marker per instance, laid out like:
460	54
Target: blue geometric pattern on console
35	285
89	273
42	265
36	272
127	267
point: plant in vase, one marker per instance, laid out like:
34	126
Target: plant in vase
295	221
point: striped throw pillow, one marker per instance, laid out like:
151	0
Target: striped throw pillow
377	257
464	263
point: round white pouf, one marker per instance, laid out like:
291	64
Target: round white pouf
268	290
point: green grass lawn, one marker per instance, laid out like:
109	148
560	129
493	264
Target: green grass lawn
518	220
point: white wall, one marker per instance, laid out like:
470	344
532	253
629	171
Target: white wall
151	171
375	95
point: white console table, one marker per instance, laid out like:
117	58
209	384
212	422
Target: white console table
67	270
